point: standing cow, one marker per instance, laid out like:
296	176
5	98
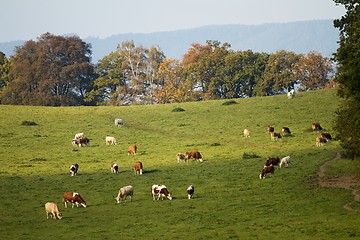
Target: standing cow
193	154
123	192
73	198
119	122
114	168
267	169
110	140
190	191
160	191
181	157
52	209
132	150
246	133
138	167
74	169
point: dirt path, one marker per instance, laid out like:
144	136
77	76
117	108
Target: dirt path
345	182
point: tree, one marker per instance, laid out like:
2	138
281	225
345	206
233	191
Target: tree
51	71
347	56
4	70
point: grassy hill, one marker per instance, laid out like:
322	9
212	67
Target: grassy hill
230	200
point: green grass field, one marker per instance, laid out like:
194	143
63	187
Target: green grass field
230	200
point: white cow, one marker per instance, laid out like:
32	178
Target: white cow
110	140
285	161
119	122
52	209
123	192
246	133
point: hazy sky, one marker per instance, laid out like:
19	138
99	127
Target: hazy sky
28	19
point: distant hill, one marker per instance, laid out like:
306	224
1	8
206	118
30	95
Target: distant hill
300	37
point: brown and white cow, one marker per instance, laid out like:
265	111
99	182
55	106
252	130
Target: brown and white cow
286	131
132	150
114	168
267	169
326	135
160	190
73	198
270	129
246	133
193	154
190	191
275	161
123	192
275	135
181	157
81	142
138	167
52	209
316	126
320	141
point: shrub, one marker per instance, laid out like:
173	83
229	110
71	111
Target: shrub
28	123
178	109
230	102
250	155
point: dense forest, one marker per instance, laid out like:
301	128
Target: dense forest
57	71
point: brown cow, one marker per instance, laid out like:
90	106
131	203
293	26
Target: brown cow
320	141
327	136
193	154
74	198
246	133
132	150
275	135
273	161
81	142
285	131
160	190
138	167
267	169
316	126
270	129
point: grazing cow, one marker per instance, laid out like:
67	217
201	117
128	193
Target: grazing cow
160	190
52	209
270	129
74	169
138	167
74	198
110	140
81	141
285	131
291	94
193	154
78	135
114	168
190	191
285	161
267	169
327	136
181	157
123	192
132	150
246	133
272	161
275	135
320	141
119	122
316	126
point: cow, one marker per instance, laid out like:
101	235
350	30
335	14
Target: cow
123	192
74	169
291	94
320	141
246	133
110	140
114	168
81	141
138	167
326	135
275	135
316	126
78	135
132	150
52	209
275	161
160	190
285	161
190	191
285	131
270	129
193	154
74	198
119	122
181	157
267	169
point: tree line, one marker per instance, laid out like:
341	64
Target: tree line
57	71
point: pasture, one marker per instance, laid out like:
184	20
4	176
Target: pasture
230	200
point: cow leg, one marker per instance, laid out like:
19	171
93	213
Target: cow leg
65	204
53	215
